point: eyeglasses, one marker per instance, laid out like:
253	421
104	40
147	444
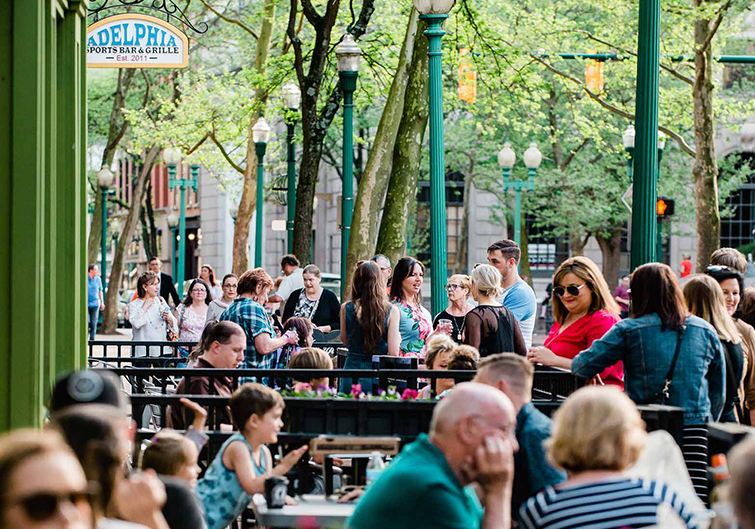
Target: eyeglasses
573	290
451	286
198	290
230	287
718	268
43	505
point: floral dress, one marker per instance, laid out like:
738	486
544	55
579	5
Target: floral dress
415	326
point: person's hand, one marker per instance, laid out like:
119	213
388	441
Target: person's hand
541	355
493	465
140	497
292	337
325	329
102	306
200	414
166	315
291	459
290	500
351	495
148	303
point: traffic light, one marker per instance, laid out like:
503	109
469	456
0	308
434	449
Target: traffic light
664	207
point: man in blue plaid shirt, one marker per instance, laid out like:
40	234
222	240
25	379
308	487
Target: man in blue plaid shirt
249	312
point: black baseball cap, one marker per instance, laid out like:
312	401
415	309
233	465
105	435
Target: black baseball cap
87	387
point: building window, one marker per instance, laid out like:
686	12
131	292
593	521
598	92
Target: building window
738	221
545	250
454	217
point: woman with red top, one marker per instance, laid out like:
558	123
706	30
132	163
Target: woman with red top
584	310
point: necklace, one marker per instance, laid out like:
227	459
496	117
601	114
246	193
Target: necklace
455	323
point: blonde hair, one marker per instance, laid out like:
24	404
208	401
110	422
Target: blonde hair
167	452
463	280
705	299
439	343
596	428
487	280
587	271
310	358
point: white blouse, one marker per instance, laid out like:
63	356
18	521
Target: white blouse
149	325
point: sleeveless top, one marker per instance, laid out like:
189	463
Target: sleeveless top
354	336
220	492
497	328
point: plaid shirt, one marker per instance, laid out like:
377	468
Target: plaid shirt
251	316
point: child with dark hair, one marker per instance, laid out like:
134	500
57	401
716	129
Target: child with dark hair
244	462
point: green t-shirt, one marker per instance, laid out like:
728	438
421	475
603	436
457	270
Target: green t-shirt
418	489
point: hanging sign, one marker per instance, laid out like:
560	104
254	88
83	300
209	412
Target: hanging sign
136	41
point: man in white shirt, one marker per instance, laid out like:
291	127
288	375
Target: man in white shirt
293	280
518	296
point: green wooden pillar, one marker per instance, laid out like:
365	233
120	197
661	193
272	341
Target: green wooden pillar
438	257
645	179
348	85
291	183
41	175
260	149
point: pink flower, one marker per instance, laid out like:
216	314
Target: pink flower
409	394
356	390
302	387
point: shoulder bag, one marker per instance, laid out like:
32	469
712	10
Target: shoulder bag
662	397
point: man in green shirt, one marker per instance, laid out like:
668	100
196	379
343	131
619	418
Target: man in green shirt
471	440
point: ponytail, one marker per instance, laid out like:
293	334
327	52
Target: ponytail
215	331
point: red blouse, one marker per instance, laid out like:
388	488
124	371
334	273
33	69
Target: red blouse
580	335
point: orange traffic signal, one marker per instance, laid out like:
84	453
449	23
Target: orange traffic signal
664	207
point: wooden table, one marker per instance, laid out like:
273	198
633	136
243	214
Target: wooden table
312	511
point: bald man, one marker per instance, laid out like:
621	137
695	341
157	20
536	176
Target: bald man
471	440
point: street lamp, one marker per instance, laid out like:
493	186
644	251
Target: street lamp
348	54
293	99
260	135
234	212
173	224
506	158
105	178
172	157
627	138
434	12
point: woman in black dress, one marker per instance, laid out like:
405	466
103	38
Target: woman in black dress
457	290
490	327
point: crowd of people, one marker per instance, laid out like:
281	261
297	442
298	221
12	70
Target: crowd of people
649	340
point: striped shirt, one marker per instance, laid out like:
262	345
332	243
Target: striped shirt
606	504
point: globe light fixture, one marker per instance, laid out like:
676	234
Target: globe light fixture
172	156
532	156
261	131
628	137
506	156
105	177
348	54
292	94
434	7
172	220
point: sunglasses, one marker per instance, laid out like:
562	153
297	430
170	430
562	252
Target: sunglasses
573	290
43	505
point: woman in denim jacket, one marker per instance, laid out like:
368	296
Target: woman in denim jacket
646	343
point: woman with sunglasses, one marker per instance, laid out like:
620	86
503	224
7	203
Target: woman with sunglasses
42	485
584	310
457	290
219	304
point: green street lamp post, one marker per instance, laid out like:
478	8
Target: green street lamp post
645	174
173	224
506	159
348	54
293	99
105	178
260	135
433	13
172	157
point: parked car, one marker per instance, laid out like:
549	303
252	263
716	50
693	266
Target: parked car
123	300
332	282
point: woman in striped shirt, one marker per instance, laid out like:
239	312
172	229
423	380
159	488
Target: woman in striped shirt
597	434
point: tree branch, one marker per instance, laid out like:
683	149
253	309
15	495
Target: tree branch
683	145
716	25
573	153
311	13
231	20
219	145
199	144
294	38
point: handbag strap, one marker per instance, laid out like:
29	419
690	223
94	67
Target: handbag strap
669	376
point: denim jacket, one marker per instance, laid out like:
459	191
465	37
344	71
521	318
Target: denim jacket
698	381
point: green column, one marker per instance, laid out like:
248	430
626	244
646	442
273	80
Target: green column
173	266
438	259
348	84
260	147
659	241
103	243
291	192
645	178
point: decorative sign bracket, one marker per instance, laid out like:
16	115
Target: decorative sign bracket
167	7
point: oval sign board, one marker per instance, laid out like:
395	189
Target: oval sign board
136	41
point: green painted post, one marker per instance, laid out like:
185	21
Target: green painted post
349	85
645	156
103	243
291	192
173	265
182	240
260	147
438	258
659	241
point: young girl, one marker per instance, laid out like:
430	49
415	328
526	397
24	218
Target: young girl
172	454
243	462
312	358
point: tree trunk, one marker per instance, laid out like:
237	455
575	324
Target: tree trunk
110	317
380	163
705	168
610	248
577	243
115	133
462	249
524	263
248	202
149	230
